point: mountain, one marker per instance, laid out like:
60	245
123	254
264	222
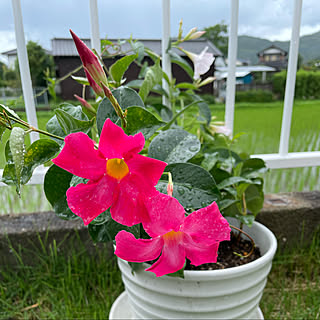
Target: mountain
248	47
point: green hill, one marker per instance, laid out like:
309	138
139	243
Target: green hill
248	47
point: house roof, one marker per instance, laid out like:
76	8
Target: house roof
272	50
66	46
13	52
248	69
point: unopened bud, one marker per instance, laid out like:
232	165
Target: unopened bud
170	185
106	90
86	104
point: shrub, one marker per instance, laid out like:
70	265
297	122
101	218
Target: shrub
307	84
254	96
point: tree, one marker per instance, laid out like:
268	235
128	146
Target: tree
39	61
217	34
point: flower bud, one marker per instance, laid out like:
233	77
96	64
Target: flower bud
86	104
96	88
89	60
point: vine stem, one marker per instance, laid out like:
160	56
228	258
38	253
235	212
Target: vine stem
27	125
252	243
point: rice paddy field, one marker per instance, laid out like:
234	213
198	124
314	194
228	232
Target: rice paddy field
260	124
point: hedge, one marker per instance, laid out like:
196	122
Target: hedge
307	84
254	96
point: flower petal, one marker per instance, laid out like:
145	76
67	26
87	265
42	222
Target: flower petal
137	250
129	202
172	259
89	200
207	225
166	214
79	157
199	254
149	169
114	143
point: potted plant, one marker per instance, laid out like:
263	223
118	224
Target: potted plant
161	203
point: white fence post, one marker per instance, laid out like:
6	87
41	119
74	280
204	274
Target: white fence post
291	79
232	60
94	24
166	63
24	68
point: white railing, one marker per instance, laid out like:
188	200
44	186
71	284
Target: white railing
283	159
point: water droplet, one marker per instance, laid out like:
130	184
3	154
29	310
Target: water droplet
193	148
180	191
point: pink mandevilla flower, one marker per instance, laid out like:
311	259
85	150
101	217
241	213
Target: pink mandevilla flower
118	176
175	237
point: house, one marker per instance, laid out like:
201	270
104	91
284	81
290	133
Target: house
66	59
12	57
273	56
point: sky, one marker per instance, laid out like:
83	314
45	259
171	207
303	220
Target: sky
44	19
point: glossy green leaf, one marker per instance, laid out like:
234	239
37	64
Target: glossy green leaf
174	145
81	80
205	111
2	130
226	203
125	96
56	183
209	161
153	77
8	111
108	230
232	181
53	125
247	219
252	167
141	120
186	85
194	187
254	198
175	58
9	172
219	175
165	112
17	147
70	124
118	69
38	153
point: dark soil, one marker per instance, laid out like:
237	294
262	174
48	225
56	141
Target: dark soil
227	257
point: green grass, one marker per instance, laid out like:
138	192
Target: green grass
80	286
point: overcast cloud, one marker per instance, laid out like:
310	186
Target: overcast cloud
44	20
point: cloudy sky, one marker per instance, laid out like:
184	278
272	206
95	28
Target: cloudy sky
44	19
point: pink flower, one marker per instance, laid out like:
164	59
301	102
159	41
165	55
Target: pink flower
96	88
118	176
89	60
175	237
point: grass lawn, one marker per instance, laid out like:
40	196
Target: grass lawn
83	287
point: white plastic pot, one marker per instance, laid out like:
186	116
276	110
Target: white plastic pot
232	293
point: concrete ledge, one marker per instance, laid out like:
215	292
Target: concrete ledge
293	217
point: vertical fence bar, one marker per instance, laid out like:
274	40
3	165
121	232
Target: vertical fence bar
94	26
232	60
166	63
291	79
24	68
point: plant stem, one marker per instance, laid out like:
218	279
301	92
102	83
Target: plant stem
172	121
252	242
29	126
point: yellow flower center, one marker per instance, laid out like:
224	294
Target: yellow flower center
117	168
172	235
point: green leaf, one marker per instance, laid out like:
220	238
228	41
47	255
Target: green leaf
226	203
125	96
118	69
38	153
81	80
232	181
205	111
141	120
193	186
247	219
69	124
174	145
17	147
252	167
56	183
8	111
219	175
254	198
209	161
186	85
9	172
2	130
165	112
153	77
109	229
53	125
175	58
138	47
